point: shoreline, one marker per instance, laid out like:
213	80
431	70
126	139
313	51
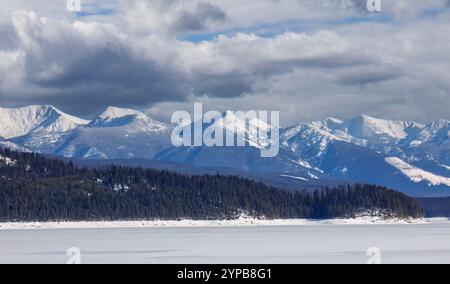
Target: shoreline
241	222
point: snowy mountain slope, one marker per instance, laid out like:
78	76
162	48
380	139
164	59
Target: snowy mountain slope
275	180
356	149
16	122
432	143
377	134
351	162
418	175
430	166
379	130
5	144
360	149
38	128
246	159
117	134
436	132
134	121
246	129
310	140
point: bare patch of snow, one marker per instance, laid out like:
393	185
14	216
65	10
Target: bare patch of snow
7	161
305	164
295	177
120	187
418	175
301	163
94	153
312	176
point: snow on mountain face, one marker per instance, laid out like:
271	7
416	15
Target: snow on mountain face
117	134
249	129
16	122
118	117
361	149
5	144
366	127
364	142
435	132
112	113
432	143
322	128
418	175
255	134
362	130
312	139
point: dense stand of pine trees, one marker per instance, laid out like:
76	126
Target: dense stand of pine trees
37	188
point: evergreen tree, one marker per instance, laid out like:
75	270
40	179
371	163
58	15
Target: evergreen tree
38	188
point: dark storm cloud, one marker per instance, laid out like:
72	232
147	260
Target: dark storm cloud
368	75
114	67
197	20
222	86
140	62
111	75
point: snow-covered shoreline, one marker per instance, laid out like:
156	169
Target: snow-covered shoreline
241	222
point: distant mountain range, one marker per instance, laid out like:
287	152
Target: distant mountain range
402	155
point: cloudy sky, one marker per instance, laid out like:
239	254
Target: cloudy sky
309	59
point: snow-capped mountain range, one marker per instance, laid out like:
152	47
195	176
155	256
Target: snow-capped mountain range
403	155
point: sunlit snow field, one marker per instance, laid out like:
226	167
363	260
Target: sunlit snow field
399	243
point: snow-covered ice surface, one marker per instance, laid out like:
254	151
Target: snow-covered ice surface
240	222
307	242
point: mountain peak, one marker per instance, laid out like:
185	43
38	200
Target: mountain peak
440	123
246	126
365	126
333	119
240	122
438	130
332	122
367	118
112	112
16	122
69	117
116	117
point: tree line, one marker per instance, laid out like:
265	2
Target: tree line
38	188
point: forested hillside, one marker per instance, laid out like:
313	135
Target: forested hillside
37	188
